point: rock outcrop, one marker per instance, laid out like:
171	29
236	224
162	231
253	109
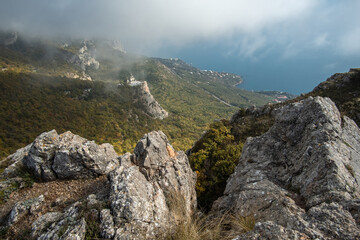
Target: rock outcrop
85	59
20	209
300	179
149	191
143	96
145	198
65	156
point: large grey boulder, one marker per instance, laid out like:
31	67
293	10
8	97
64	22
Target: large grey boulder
76	157
65	156
301	177
142	195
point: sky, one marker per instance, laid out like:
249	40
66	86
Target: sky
286	45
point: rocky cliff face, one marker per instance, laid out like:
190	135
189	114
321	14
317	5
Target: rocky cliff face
143	96
146	194
300	179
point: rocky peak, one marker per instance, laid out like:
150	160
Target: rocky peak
301	177
142	95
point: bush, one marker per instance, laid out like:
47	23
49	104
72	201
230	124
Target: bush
214	157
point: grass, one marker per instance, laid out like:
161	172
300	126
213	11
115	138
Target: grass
203	226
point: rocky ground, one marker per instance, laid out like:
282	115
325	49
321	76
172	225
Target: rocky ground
132	196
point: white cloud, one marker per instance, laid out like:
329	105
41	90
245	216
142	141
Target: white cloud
321	40
290	51
350	42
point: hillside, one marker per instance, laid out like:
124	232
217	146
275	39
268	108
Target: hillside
83	86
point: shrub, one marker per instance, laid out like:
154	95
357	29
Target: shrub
214	158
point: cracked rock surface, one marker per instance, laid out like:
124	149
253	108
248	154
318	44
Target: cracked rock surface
301	178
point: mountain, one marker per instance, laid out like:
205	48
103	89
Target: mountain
97	90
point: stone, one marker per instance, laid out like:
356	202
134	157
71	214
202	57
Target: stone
76	232
41	154
92	200
77	157
141	194
65	156
302	174
85	58
40	224
273	231
62	229
21	209
107	229
15	162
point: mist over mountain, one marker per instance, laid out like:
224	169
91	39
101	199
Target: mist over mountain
279	45
179	120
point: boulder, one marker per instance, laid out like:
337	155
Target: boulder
65	156
301	177
76	157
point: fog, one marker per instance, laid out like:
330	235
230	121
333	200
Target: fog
287	45
144	26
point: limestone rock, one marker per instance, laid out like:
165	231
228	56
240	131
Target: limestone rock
20	209
65	156
85	58
75	232
41	154
40	224
141	194
77	157
107	229
61	229
302	174
143	96
273	231
15	161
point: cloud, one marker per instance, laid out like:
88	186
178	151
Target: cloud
144	26
350	42
143	22
321	40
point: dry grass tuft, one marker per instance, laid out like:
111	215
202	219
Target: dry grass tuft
200	226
